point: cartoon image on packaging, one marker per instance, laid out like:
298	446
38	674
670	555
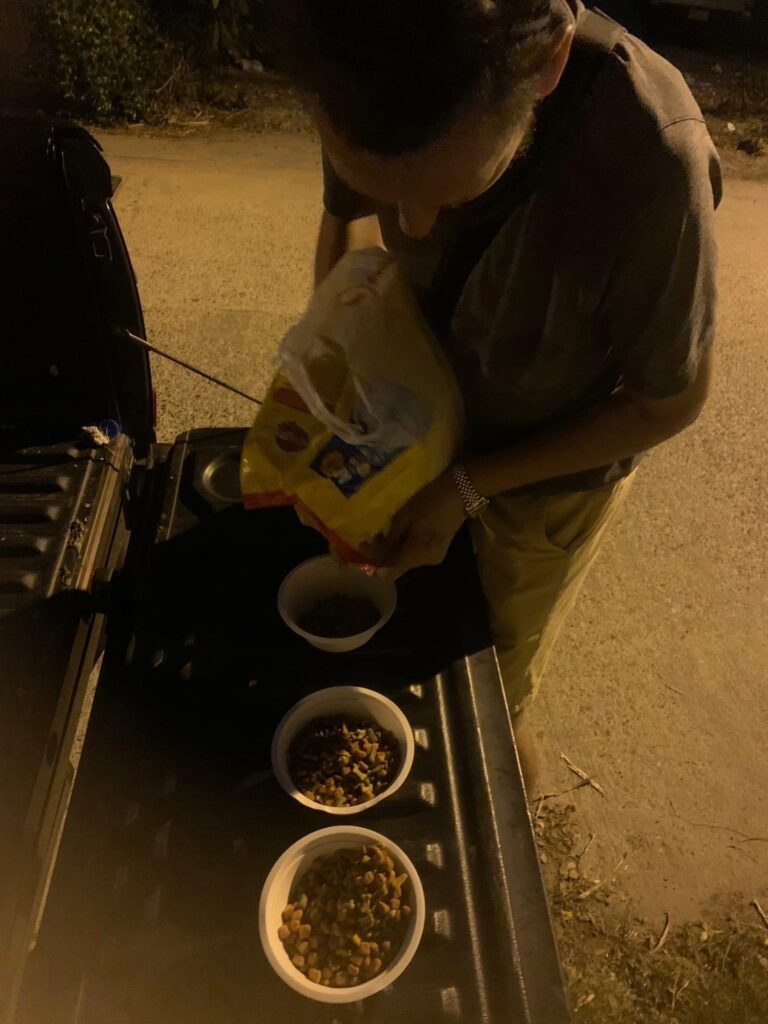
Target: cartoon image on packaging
350	466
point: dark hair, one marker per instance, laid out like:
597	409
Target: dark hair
391	75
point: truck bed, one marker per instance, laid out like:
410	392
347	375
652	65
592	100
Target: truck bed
176	818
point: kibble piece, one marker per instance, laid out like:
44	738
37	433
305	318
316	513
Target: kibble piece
314	975
283	932
302	947
304	931
298	960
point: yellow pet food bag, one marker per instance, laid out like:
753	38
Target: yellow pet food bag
363	412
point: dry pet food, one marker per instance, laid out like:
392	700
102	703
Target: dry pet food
340	615
347	917
340	763
363	413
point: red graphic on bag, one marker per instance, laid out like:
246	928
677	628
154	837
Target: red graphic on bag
291	437
291	398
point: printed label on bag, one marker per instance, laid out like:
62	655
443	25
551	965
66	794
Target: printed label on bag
350	466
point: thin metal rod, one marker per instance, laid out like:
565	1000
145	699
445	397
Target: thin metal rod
143	343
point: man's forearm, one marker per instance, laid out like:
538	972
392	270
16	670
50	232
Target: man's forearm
614	429
338	237
331	245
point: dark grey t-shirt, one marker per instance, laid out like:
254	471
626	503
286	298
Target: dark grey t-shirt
603	269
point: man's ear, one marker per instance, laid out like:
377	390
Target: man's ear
559	51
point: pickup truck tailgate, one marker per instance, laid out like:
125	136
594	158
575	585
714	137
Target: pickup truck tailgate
177	819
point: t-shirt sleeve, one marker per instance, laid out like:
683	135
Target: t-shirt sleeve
340	200
659	313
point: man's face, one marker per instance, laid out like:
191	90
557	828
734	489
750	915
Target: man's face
458	166
454	169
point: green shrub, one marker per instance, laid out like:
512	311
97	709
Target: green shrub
211	32
106	58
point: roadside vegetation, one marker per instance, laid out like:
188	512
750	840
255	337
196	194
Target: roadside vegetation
205	64
624	969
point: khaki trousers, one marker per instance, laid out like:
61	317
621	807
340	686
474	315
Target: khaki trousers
533	554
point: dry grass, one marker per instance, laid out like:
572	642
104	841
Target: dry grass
623	970
742	94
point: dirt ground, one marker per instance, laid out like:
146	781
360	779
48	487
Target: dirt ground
658	686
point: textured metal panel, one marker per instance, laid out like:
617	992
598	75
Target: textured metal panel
177	819
50	638
49	496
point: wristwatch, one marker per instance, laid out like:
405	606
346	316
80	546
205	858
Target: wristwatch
474	502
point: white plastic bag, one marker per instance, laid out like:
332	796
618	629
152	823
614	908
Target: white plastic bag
364	412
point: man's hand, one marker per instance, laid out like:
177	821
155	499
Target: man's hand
423	529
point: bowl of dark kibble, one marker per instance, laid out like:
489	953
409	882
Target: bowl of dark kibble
343	749
333	606
341	914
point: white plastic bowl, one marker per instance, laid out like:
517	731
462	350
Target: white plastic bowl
323	577
357	702
275	895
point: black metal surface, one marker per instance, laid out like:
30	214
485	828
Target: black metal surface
176	818
67	287
61	511
47	495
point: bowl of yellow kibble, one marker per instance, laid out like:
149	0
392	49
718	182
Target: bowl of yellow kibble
343	749
341	914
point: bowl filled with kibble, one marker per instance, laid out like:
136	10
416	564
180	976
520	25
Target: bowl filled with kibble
343	749
341	914
334	606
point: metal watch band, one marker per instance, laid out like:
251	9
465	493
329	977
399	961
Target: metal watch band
474	502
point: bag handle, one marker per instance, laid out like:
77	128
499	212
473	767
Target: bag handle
296	367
